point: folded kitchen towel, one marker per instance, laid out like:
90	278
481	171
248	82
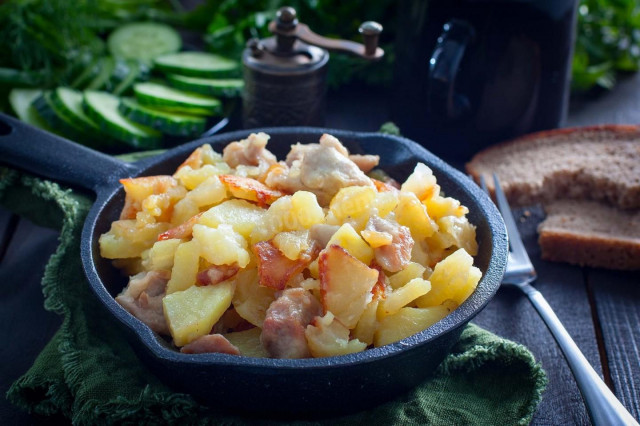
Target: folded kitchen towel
89	374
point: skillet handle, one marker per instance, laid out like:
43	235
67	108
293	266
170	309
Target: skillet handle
44	154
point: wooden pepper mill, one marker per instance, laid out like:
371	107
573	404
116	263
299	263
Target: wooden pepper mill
285	75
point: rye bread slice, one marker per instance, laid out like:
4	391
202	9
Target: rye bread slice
590	233
588	181
597	163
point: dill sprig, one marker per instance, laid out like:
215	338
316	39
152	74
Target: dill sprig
52	38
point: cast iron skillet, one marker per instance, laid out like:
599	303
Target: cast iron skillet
321	385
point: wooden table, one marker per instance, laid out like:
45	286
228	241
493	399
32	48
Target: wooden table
600	308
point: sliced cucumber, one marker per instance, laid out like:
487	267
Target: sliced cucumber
197	64
21	101
106	66
57	119
143	41
102	107
170	99
69	103
227	88
172	123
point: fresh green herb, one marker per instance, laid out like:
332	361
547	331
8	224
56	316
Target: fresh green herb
607	42
390	128
47	42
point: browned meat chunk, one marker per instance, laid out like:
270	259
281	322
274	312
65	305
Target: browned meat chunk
287	317
183	230
382	287
249	152
395	256
250	189
275	269
210	343
322	168
216	274
142	298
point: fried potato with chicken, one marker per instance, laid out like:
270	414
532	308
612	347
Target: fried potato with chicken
240	254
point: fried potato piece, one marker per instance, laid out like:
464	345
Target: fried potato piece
250	189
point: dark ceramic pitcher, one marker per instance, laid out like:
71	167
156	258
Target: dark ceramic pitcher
470	73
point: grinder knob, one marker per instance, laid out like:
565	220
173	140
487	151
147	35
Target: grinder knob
370	31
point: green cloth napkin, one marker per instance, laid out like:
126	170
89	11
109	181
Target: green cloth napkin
89	374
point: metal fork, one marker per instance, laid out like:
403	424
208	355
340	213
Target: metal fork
602	405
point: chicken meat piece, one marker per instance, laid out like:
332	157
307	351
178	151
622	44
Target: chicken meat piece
142	298
364	162
322	168
286	320
250	152
395	256
298	151
329	141
210	343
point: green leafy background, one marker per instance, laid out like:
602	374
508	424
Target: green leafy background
607	42
45	43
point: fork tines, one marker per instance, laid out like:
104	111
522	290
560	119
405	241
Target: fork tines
515	240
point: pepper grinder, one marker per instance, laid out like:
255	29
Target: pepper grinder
285	75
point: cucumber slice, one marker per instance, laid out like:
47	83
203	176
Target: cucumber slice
143	41
102	107
226	88
167	122
106	66
21	101
69	103
57	119
170	99
197	64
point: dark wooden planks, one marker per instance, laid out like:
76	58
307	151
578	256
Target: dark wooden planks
620	105
512	316
617	299
26	326
616	295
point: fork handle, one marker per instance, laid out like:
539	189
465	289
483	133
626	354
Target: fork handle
603	406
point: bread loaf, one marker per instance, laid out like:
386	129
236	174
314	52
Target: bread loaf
597	163
588	181
590	233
